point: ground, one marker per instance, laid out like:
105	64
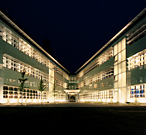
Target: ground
74	118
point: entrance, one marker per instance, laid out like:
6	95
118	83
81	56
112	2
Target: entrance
72	95
71	98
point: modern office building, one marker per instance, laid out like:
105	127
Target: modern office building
116	73
19	52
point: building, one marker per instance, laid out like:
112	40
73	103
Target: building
116	73
20	52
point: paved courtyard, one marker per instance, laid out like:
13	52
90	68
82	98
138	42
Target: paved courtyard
74	118
71	104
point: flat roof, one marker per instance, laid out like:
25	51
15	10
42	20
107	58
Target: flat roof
29	38
111	40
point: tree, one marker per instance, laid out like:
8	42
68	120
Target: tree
41	87
22	82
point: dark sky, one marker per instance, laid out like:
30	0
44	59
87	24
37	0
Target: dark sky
76	29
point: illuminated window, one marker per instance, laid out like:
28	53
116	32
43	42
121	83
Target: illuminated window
13	92
16	65
111	94
120	69
17	42
100	60
98	77
137	60
137	91
116	58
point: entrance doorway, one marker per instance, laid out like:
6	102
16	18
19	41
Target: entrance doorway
72	95
71	98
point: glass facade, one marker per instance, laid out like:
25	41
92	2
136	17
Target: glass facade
120	70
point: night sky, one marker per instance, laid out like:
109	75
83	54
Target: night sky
76	29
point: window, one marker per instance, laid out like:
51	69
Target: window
98	77
16	65
137	60
142	90
17	42
101	59
116	78
13	92
116	58
137	91
123	55
120	64
108	94
116	71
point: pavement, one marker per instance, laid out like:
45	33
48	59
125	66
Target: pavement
73	118
71	104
